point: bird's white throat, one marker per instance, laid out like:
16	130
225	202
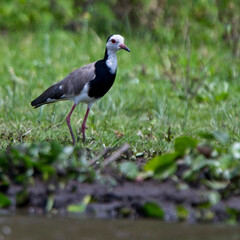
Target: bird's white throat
112	61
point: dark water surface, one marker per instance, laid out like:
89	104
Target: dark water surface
43	228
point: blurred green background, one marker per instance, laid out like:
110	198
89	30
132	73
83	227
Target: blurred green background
210	20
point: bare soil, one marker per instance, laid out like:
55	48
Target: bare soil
124	199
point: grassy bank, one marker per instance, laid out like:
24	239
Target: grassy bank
163	90
177	99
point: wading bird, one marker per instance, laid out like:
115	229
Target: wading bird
86	84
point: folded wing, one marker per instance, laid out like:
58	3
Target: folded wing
69	87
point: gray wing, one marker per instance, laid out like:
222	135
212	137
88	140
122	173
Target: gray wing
74	83
70	86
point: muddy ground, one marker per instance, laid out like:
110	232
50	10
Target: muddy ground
115	196
125	200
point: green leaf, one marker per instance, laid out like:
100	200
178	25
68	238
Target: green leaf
50	202
45	169
160	161
214	197
129	169
4	201
221	137
201	162
206	135
208	215
197	164
81	207
235	149
182	144
189	175
153	210
166	171
227	162
215	185
182	212
162	166
233	215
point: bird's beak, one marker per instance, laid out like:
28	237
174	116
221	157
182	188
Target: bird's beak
123	46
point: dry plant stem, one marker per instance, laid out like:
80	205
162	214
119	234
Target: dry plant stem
187	77
94	160
124	148
188	48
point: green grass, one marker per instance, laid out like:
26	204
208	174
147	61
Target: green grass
158	86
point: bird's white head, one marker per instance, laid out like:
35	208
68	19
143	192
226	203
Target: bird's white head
116	42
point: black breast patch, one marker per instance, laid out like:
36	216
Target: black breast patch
103	81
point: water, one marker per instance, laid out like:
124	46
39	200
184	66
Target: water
43	228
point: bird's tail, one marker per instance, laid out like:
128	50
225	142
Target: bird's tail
51	95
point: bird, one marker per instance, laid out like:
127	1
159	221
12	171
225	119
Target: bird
86	84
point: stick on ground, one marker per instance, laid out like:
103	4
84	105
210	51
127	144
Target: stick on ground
124	148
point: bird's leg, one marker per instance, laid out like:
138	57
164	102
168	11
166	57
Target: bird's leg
69	124
84	123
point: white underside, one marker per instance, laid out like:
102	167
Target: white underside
83	97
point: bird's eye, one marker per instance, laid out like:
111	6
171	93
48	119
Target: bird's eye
113	41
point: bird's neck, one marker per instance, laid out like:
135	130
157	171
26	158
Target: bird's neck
110	59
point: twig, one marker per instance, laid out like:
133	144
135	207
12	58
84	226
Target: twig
188	48
124	148
26	133
187	77
94	160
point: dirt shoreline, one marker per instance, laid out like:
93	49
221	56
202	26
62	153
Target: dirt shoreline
125	200
52	181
